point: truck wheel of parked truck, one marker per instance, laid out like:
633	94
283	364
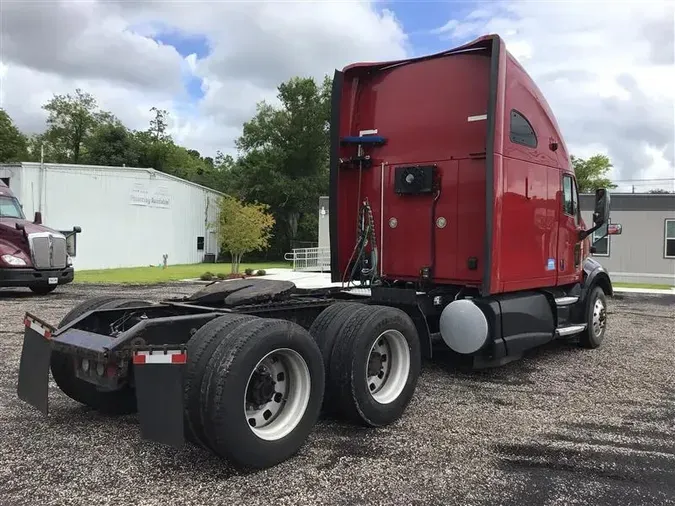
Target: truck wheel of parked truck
468	237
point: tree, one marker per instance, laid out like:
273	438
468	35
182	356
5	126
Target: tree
590	173
243	228
112	144
660	190
284	160
13	144
71	120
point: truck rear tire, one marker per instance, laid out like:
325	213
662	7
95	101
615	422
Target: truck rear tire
596	319
325	330
265	387
200	350
375	365
118	402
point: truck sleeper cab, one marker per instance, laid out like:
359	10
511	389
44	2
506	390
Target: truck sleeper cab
31	255
454	222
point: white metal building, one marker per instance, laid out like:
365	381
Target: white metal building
129	216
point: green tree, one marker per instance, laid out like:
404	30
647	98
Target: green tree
13	144
660	190
243	228
284	160
70	122
111	143
591	173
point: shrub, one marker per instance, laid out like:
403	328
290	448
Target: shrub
249	272
207	276
221	275
261	272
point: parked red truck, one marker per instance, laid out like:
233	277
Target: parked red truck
454	211
31	255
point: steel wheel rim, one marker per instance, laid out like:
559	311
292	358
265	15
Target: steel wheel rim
387	366
273	409
599	317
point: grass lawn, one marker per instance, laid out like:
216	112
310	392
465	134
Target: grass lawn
147	275
642	285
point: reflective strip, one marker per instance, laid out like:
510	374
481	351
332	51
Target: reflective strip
477	118
159	357
33	325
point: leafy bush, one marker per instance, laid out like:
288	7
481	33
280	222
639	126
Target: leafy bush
249	272
207	276
222	275
261	272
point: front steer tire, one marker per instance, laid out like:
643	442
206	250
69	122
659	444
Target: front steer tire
375	336
596	319
228	385
117	402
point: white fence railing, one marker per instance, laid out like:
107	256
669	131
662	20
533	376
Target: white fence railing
310	259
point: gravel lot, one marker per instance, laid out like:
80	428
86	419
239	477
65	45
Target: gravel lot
562	426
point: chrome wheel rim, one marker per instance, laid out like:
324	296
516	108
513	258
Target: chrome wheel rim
599	317
388	366
277	394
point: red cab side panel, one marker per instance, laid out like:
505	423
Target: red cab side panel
530	147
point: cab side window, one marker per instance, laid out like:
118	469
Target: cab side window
568	195
571	198
521	131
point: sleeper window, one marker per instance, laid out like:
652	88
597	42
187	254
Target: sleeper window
521	130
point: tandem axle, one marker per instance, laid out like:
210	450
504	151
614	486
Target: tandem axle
244	368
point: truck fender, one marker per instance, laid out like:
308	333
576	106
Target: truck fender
594	275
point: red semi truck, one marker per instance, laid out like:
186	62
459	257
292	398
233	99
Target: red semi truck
31	255
454	222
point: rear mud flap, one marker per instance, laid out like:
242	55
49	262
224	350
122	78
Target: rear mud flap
33	385
159	378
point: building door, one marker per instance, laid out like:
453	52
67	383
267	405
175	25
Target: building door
212	243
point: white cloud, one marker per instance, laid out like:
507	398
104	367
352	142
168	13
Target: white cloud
607	70
106	48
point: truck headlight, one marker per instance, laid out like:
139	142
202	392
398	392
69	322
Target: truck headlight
12	260
69	261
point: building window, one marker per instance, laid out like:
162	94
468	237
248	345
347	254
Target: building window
200	243
669	247
521	130
601	241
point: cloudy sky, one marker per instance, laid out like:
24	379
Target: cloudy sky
607	68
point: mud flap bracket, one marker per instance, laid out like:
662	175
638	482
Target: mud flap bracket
33	384
159	378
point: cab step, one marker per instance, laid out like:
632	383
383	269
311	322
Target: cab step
570	330
568	300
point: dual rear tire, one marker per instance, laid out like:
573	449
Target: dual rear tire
372	358
253	389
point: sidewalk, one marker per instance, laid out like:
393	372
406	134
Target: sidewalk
666	291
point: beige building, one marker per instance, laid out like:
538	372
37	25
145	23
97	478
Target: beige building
645	250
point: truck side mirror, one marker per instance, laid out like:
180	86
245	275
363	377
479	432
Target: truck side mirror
602	206
38	218
600	214
77	230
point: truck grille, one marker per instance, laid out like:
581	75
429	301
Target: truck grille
48	251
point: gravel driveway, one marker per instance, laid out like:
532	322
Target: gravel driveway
561	426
